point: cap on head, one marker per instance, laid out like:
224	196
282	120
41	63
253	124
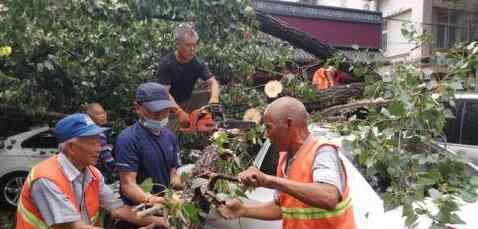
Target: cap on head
76	125
154	97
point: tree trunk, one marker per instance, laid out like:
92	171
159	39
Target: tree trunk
298	39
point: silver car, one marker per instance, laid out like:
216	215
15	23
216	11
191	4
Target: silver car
18	154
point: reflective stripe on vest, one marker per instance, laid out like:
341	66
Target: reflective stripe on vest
30	218
94	219
315	213
297	214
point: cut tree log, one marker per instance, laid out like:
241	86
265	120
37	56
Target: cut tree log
336	96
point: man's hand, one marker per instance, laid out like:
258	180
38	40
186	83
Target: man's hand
254	177
154	200
233	209
183	118
159	222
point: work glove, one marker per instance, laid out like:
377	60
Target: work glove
183	118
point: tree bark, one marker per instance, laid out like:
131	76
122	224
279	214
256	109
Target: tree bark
298	39
354	105
11	110
337	95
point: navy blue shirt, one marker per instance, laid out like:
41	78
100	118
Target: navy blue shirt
151	156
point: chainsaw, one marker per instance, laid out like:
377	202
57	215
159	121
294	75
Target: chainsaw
206	119
210	118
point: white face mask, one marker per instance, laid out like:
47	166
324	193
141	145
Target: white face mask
154	125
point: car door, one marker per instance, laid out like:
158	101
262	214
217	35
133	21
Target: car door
462	132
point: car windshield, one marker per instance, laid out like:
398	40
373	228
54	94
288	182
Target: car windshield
45	139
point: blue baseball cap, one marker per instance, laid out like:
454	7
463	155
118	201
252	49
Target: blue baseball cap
154	97
76	125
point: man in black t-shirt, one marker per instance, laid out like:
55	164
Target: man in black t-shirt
179	71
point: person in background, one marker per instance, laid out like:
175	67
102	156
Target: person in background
179	71
106	162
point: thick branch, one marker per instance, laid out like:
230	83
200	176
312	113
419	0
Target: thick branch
363	103
298	39
47	114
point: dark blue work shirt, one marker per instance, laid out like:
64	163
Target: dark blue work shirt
151	156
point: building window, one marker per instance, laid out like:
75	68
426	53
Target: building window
453	26
384	39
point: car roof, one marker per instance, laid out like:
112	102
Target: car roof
30	132
467	95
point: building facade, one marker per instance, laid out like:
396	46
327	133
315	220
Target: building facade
444	22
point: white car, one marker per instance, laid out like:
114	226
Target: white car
18	154
367	204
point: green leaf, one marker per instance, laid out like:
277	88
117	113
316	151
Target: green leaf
192	213
48	65
455	219
147	185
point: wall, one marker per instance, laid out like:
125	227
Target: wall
423	18
395	14
398	46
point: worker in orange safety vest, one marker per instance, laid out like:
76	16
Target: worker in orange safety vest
311	184
66	190
325	78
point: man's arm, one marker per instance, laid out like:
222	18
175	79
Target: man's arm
126	213
53	204
168	87
263	211
215	90
132	190
74	225
321	195
182	115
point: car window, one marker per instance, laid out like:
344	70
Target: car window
44	139
452	128
269	164
469	134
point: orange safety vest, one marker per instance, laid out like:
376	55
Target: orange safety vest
28	215
321	81
296	214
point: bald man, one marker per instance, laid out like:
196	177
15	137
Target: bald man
106	162
311	181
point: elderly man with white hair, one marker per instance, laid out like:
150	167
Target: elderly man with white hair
66	190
